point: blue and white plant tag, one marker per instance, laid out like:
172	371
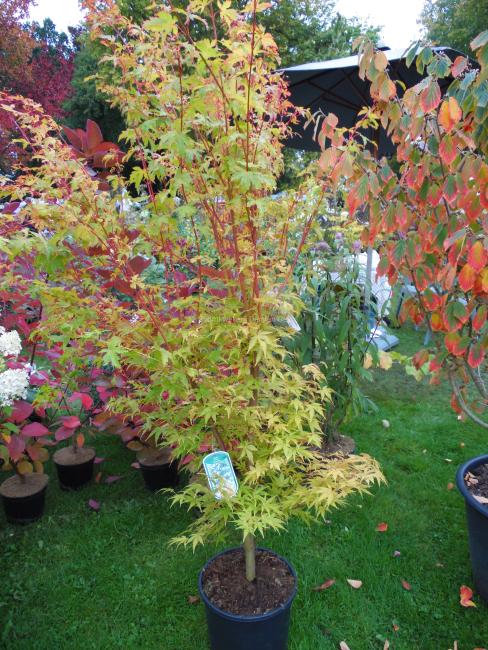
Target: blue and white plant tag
220	474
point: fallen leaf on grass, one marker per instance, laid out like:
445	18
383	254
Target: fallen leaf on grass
94	505
396	553
450	486
387	645
355	584
406	585
465	596
135	465
395	627
112	479
448	460
385	423
343	646
382	528
324	585
439	565
193	600
99	460
98	477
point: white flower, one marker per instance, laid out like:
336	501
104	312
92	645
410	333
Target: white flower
13	386
10	343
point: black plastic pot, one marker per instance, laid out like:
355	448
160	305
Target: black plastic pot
477	518
74	477
24	510
157	477
232	632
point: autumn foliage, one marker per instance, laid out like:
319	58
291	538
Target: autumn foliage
183	294
428	209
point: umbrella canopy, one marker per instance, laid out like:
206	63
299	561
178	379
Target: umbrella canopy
335	87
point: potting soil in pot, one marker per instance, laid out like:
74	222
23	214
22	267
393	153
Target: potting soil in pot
67	456
227	587
477	483
14	487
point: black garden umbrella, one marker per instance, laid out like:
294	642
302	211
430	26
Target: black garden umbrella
335	87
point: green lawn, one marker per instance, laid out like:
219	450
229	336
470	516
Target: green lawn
84	580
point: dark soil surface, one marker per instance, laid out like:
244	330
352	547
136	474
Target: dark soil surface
67	456
477	483
16	487
339	444
226	586
154	457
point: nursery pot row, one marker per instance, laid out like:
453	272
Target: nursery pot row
24	498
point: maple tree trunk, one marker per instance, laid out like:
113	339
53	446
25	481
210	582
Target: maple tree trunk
250	555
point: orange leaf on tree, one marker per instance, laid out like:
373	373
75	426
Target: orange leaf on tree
467	277
484	280
456	345
459	66
430	97
449	114
447	150
476	355
479	319
477	256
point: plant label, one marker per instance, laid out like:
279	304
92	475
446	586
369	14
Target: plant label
220	474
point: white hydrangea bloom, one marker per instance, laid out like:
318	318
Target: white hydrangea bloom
13	385
10	343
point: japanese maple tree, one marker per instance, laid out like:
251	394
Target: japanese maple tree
202	347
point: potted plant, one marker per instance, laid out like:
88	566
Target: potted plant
334	330
216	368
429	218
69	413
22	442
158	466
74	462
203	350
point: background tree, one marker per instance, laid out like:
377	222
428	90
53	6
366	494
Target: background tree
304	30
454	22
86	101
15	42
429	218
36	61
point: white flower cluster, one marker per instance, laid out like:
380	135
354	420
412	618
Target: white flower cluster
13	385
10	343
13	382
